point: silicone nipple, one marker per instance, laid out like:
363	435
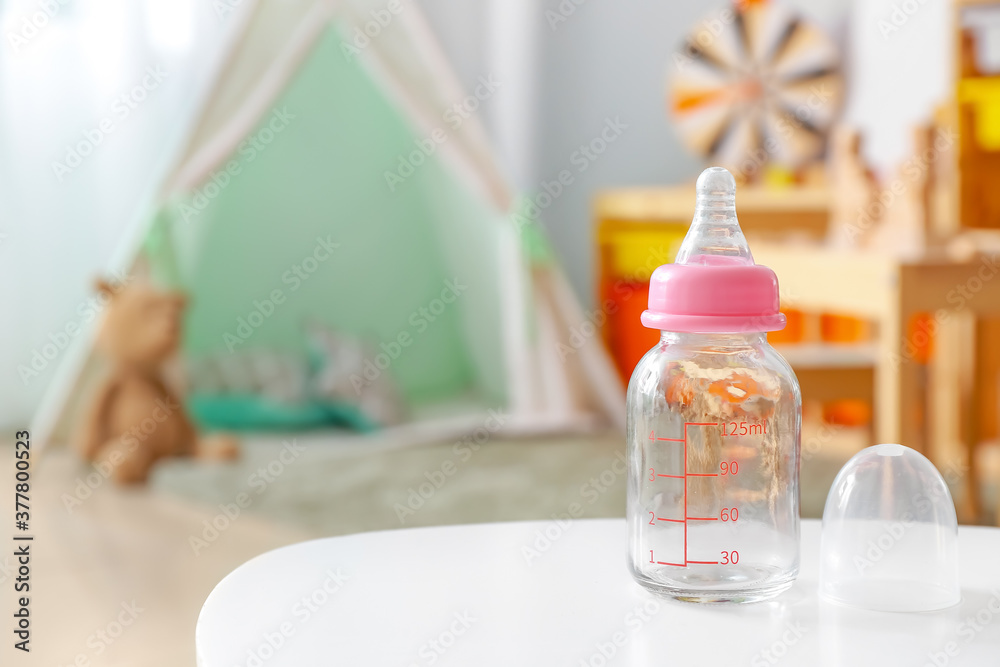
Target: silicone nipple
715	236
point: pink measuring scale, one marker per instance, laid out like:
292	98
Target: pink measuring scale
714	419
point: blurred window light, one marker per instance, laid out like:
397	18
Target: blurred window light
103	39
26	23
170	25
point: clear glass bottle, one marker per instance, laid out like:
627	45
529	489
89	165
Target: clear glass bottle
714	421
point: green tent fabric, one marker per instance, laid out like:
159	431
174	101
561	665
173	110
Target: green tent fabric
311	177
242	412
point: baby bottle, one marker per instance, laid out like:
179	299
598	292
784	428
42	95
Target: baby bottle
714	418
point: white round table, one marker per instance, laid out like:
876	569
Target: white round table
537	593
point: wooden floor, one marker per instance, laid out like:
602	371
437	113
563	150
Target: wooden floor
119	557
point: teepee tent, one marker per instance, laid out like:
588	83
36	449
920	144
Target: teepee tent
334	173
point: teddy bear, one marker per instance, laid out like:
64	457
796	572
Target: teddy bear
135	418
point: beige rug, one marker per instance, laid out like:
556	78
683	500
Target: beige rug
332	491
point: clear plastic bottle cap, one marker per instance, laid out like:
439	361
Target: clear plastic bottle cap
890	534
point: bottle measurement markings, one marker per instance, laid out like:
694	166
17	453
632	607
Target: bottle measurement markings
726	468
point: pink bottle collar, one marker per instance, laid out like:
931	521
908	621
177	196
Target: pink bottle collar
706	298
714	287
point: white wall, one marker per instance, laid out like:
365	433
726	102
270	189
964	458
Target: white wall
901	69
